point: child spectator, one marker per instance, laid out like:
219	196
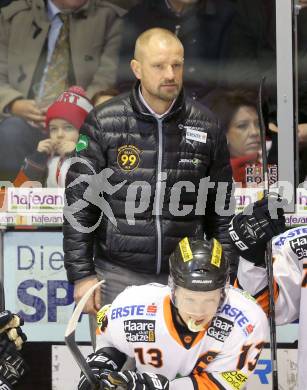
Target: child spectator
63	120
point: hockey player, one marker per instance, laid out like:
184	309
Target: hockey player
195	333
12	366
289	255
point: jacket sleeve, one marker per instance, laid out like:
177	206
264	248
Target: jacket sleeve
82	194
220	199
105	76
7	93
287	282
34	169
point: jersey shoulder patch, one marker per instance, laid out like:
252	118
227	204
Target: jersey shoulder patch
298	246
102	318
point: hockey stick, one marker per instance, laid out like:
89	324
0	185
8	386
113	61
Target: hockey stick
71	342
268	252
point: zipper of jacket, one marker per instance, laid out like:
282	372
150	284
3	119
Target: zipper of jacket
157	197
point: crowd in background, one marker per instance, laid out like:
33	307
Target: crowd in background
61	58
229	45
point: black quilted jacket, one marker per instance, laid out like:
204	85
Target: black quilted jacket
164	155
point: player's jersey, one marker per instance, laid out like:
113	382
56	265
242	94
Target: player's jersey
289	252
140	324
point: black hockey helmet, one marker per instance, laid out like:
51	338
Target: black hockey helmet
198	265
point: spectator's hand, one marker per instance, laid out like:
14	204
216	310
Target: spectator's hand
46	146
250	233
132	380
28	110
302	127
81	287
302	133
303	3
65	147
273	127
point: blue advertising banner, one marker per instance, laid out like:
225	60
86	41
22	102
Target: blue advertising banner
36	286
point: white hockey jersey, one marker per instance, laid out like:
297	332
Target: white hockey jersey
140	324
289	251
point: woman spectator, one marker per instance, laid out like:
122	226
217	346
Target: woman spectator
237	112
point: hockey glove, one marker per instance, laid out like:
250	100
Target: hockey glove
101	364
250	233
11	335
132	380
11	370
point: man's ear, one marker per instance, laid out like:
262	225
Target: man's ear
136	68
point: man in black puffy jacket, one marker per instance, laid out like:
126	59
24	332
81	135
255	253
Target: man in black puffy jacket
153	153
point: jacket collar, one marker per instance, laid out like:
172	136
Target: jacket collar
204	7
41	15
142	112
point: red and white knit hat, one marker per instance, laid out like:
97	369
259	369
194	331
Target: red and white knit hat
72	105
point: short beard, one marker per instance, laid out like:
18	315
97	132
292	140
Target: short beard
168	97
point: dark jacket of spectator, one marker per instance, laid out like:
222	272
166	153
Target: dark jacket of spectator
95	32
252	55
126	4
202	29
121	128
252	49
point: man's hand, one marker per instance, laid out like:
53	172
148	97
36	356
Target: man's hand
28	110
81	287
250	233
132	380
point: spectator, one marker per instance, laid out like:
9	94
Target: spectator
237	111
103	96
196	333
63	120
251	49
157	136
45	47
12	365
202	27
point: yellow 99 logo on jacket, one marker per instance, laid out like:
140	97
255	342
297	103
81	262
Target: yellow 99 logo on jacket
128	157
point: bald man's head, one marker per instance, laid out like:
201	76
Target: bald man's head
152	38
158	65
